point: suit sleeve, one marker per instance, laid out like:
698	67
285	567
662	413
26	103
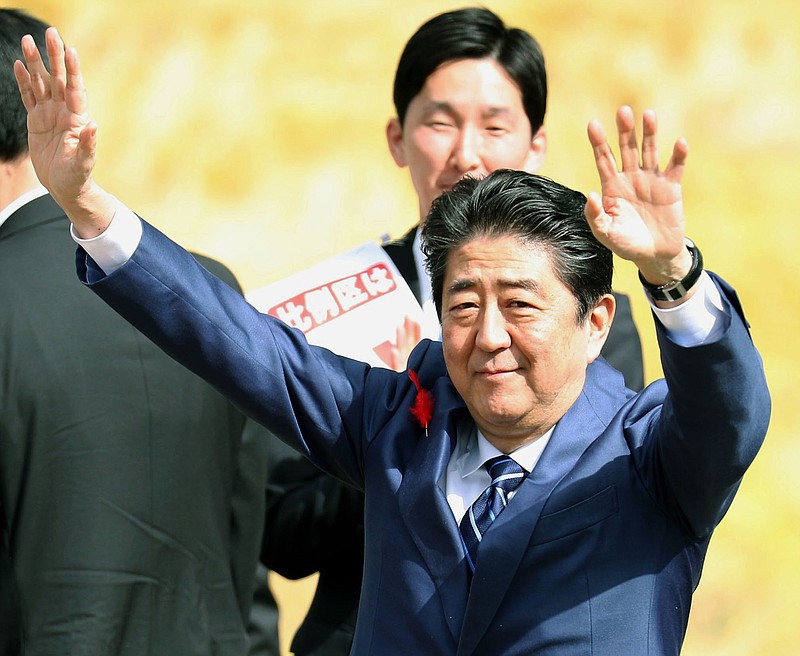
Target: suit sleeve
306	395
711	425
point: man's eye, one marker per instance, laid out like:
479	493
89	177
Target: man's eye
463	308
522	307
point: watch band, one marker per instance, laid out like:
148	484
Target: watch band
677	289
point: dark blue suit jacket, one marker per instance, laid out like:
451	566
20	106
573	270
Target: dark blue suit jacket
601	547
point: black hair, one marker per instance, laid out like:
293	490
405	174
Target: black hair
473	33
14	24
531	208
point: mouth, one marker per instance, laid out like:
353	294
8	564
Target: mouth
495	374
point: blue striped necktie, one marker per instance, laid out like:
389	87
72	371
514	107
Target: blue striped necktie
506	476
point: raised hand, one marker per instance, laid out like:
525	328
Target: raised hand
61	137
409	333
640	213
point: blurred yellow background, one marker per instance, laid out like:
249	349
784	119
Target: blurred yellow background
253	131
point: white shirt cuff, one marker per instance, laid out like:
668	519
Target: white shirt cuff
701	319
116	244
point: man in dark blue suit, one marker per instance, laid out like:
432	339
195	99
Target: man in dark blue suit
519	498
470	95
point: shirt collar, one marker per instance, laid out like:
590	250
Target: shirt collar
475	450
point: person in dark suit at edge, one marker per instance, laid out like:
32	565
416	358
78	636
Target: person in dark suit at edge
470	95
131	507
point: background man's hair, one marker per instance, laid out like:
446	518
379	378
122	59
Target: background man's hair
473	33
14	24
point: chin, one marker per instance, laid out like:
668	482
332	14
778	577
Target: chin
502	417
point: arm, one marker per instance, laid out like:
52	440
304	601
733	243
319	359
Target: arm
715	414
306	395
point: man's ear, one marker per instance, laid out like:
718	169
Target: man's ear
394	139
598	323
537	152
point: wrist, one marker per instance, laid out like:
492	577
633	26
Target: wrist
90	212
675	287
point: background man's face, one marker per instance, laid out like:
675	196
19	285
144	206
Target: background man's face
468	118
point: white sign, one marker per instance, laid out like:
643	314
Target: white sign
352	304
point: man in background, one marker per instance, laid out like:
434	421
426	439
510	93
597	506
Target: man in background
470	96
131	513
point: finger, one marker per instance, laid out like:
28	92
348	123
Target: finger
649	141
628	148
39	77
677	163
24	84
603	157
75	88
55	53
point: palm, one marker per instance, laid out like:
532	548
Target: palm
645	212
54	136
57	118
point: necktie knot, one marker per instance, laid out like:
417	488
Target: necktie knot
506	476
505	472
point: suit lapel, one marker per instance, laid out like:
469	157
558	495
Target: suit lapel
426	513
505	543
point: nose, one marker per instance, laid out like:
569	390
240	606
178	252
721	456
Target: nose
493	333
466	150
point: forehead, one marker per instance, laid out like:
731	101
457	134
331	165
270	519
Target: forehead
471	83
505	261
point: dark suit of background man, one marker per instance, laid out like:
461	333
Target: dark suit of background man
129	527
601	543
470	96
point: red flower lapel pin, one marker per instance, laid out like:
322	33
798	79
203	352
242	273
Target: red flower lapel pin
422	409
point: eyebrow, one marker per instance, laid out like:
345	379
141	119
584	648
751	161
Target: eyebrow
445	106
527	284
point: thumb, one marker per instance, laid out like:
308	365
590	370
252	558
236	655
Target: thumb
87	143
596	216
